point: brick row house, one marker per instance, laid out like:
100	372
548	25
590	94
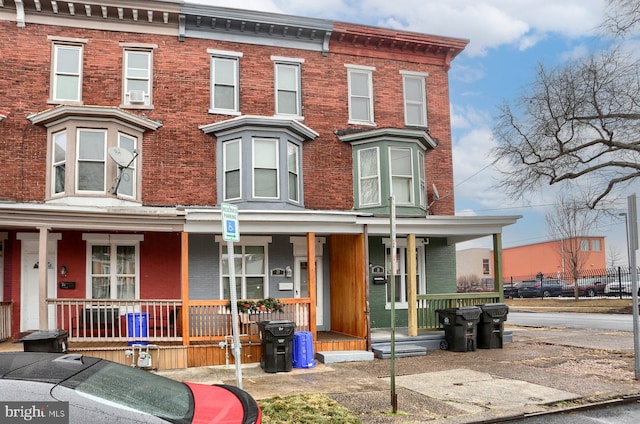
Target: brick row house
126	125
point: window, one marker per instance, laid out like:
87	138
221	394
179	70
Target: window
113	266
138	60
401	276
59	161
232	154
485	267
91	160
127	186
360	94
401	175
423	181
287	86
66	77
584	245
369	176
415	110
250	264
595	245
293	166
225	89
265	168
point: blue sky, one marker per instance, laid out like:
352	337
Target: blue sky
508	38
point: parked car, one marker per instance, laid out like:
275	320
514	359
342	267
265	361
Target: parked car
618	287
101	391
586	287
547	287
510	290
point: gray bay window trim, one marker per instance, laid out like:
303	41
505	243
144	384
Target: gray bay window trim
385	140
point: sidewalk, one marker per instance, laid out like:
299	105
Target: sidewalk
542	370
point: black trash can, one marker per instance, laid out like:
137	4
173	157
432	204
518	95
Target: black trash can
277	340
491	325
54	341
460	328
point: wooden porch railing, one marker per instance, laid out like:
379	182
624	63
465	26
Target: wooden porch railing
211	319
5	320
93	320
113	320
428	304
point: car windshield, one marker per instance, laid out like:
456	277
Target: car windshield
134	388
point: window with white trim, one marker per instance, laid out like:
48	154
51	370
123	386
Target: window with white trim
232	162
595	245
415	100
401	166
113	266
584	245
225	86
138	68
90	166
369	177
401	272
128	178
265	168
59	154
293	165
423	180
360	82
66	83
485	267
287	86
251	265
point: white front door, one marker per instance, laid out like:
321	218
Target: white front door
29	291
301	285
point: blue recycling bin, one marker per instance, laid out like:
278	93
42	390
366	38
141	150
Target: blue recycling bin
303	356
138	328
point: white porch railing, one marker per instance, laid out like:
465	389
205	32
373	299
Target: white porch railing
93	320
5	320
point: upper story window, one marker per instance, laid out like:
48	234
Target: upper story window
595	245
389	162
360	81
137	69
415	99
80	170
225	86
260	159
66	70
584	245
287	86
369	176
485	267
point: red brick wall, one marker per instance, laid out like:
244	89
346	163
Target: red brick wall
178	159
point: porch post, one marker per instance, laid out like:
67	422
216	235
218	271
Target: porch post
412	309
311	278
43	267
497	265
184	284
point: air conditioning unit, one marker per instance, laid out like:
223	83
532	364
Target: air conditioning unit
136	96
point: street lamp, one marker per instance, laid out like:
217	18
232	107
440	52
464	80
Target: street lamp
626	229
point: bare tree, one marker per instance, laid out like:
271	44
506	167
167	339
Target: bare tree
578	123
614	257
569	223
622	17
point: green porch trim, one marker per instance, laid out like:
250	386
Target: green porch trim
428	304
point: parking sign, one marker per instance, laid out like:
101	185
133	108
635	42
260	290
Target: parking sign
230	229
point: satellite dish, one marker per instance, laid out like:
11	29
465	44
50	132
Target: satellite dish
121	156
436	196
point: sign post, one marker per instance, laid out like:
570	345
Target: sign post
231	233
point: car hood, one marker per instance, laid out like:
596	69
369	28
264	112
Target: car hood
223	404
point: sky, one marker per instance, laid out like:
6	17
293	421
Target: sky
507	40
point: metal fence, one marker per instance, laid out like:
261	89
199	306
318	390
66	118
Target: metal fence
618	273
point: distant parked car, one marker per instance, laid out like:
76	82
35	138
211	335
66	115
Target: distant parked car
616	288
510	290
586	287
547	287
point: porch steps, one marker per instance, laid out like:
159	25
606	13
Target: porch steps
402	350
333	356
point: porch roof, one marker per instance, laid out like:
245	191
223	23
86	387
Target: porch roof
454	228
90	218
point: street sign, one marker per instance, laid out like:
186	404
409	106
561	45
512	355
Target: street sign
230	228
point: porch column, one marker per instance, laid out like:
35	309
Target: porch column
497	265
184	284
43	267
311	278
412	309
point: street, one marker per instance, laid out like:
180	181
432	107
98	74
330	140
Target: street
625	413
615	322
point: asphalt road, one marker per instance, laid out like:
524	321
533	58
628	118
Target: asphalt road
627	413
615	322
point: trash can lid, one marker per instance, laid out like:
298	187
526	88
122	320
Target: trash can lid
469	312
44	334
